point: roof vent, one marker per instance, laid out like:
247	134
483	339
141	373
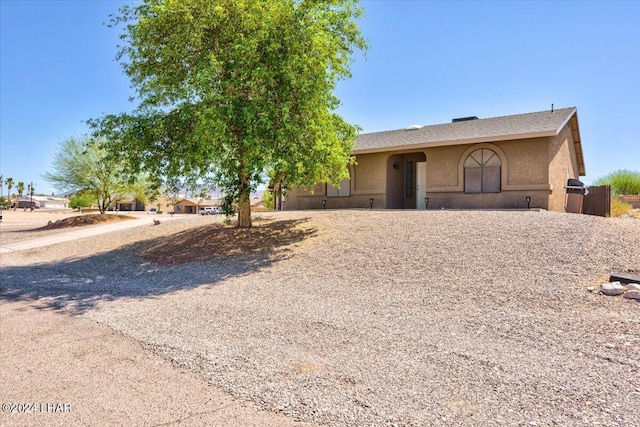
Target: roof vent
413	127
464	119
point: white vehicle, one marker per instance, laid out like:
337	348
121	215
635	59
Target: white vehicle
209	210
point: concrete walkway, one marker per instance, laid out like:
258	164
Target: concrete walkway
82	232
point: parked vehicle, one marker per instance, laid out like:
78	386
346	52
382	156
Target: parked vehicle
209	210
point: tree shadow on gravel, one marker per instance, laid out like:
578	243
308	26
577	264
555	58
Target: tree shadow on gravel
211	242
203	256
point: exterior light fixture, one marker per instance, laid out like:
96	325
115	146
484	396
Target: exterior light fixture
528	199
396	165
370	203
324	204
426	203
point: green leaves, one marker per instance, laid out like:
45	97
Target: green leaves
623	182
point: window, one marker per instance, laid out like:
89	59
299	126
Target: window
344	190
409	187
482	172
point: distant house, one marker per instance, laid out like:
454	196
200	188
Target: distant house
130	204
43	202
192	205
470	163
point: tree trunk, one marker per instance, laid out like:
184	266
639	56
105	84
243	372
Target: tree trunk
244	211
277	197
277	192
244	201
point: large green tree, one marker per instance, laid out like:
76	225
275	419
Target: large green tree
623	181
231	90
82	165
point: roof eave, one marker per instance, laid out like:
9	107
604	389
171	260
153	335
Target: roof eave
404	147
577	142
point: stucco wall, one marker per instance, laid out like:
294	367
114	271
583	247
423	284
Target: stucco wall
442	166
299	198
297	201
562	165
369	173
502	200
527	161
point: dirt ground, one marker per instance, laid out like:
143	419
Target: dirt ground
85	220
25	220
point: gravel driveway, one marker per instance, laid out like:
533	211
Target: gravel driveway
379	318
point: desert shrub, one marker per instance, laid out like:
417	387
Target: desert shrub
622	181
619	208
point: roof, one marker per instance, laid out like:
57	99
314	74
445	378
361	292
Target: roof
45	198
518	126
195	201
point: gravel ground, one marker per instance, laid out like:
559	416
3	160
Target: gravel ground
379	318
20	226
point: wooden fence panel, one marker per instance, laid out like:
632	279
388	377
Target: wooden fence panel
632	200
598	201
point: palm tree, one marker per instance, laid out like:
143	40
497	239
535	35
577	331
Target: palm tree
20	188
30	191
9	183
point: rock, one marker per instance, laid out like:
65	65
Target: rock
633	287
612	289
156	221
50	222
632	295
592	289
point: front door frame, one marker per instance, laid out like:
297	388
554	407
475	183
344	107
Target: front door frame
397	182
421	185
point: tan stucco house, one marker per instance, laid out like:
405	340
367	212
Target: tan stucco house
470	163
192	205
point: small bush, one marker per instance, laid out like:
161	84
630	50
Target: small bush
619	208
267	199
81	201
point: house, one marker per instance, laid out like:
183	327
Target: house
44	202
192	205
508	162
130	203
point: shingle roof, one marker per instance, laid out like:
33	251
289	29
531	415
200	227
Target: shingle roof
518	126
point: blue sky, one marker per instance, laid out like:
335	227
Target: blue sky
428	63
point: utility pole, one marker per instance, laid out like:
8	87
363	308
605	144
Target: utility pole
31	193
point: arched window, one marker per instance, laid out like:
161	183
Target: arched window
482	172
